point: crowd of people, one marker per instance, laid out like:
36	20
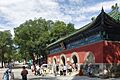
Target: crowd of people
69	69
56	69
9	74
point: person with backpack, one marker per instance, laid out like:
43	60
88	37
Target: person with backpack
24	73
6	75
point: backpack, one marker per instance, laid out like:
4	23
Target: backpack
6	76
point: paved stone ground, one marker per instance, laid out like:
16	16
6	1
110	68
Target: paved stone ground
18	69
50	76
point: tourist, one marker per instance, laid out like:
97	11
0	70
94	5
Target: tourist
57	68
10	66
70	69
6	75
61	70
64	70
11	75
33	68
80	73
24	73
89	70
37	70
54	70
76	67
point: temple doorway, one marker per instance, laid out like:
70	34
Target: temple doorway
63	60
75	60
90	58
54	61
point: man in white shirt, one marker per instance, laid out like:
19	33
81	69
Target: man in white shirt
37	70
64	70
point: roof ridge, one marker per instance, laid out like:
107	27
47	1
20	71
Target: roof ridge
115	14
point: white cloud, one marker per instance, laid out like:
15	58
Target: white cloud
81	11
106	5
18	11
7	2
76	1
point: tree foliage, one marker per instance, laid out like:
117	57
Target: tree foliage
60	29
6	46
34	35
31	36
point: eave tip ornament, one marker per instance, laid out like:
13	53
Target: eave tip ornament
115	7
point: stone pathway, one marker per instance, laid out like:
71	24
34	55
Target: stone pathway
50	76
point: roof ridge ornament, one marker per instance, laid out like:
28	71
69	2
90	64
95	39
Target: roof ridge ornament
102	16
102	9
115	7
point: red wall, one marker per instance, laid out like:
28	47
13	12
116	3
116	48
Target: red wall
111	52
95	48
104	52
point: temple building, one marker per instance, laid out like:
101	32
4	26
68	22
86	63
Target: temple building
98	43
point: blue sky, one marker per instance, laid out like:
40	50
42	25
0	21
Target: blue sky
79	12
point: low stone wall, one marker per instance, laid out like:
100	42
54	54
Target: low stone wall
103	69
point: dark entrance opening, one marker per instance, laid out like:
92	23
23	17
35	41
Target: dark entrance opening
63	60
75	59
54	61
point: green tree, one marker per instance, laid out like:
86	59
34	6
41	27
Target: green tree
5	46
61	29
34	35
31	36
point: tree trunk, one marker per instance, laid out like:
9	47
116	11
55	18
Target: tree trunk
2	60
2	63
33	58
